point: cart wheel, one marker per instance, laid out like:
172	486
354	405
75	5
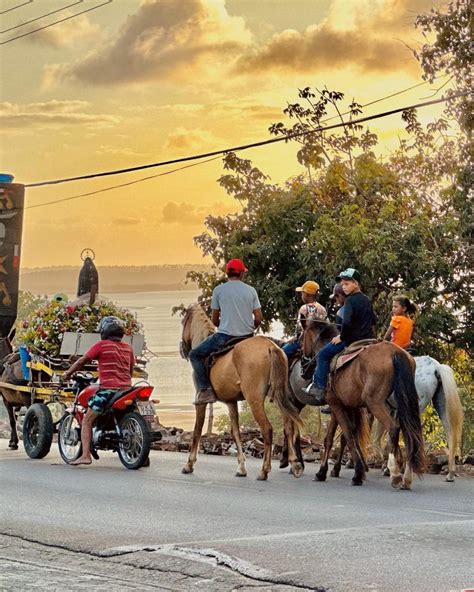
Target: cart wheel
37	431
69	438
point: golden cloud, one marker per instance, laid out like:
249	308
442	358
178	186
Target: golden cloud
162	40
187	214
14	115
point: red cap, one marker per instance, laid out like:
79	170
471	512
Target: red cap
235	265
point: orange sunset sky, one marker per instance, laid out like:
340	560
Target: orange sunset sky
135	82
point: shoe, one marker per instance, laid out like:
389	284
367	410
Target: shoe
317	392
204	396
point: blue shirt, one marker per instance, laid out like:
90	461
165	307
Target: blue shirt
236	302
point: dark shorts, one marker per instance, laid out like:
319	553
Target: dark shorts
98	402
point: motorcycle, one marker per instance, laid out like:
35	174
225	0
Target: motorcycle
125	427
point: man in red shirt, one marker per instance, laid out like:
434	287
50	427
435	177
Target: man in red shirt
116	362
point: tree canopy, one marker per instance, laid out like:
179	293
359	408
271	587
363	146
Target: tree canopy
403	220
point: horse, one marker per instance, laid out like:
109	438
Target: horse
434	382
251	370
10	369
380	372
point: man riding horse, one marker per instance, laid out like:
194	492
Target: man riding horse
236	312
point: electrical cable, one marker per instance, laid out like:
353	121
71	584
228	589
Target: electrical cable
15	7
42	16
48	203
247	146
55	23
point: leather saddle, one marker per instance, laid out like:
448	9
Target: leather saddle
210	361
350	353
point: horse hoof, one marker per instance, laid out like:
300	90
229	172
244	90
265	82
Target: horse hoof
283	464
187	470
405	487
396	482
386	472
297	470
240	474
319	477
357	482
15	447
334	473
262	477
450	478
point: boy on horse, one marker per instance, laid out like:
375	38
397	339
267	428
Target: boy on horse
236	312
358	323
309	311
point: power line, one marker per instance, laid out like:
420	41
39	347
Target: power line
15	7
55	23
48	203
42	16
203	162
247	146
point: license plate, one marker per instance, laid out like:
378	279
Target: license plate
147	408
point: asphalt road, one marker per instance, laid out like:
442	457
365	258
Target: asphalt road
158	529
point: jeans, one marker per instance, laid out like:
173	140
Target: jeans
198	355
320	376
291	347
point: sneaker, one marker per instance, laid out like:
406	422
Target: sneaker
317	392
204	396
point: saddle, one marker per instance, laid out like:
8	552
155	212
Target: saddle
350	353
210	361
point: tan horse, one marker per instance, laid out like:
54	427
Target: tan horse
253	369
368	382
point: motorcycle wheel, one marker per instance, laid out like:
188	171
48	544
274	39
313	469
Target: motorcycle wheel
69	438
135	441
37	431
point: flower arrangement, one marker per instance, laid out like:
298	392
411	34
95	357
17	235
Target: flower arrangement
42	330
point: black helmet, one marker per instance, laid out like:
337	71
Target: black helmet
110	327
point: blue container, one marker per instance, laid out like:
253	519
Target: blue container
6	178
24	357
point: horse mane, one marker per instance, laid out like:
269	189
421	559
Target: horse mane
201	326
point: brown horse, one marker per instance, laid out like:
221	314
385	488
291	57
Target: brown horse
253	369
10	371
368	382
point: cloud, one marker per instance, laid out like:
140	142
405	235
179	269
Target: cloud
162	40
364	35
14	115
185	139
187	214
65	34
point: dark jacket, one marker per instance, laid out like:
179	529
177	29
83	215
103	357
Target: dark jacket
359	319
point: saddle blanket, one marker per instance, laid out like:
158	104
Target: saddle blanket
350	353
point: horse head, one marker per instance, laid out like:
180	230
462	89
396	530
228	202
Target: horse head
196	327
316	334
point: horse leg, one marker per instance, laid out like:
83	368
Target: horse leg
359	461
328	442
258	410
235	431
200	417
337	467
13	443
297	467
284	453
387	422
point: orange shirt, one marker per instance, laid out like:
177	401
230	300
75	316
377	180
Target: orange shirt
402	330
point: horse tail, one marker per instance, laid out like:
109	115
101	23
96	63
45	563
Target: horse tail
361	423
408	411
454	410
278	388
